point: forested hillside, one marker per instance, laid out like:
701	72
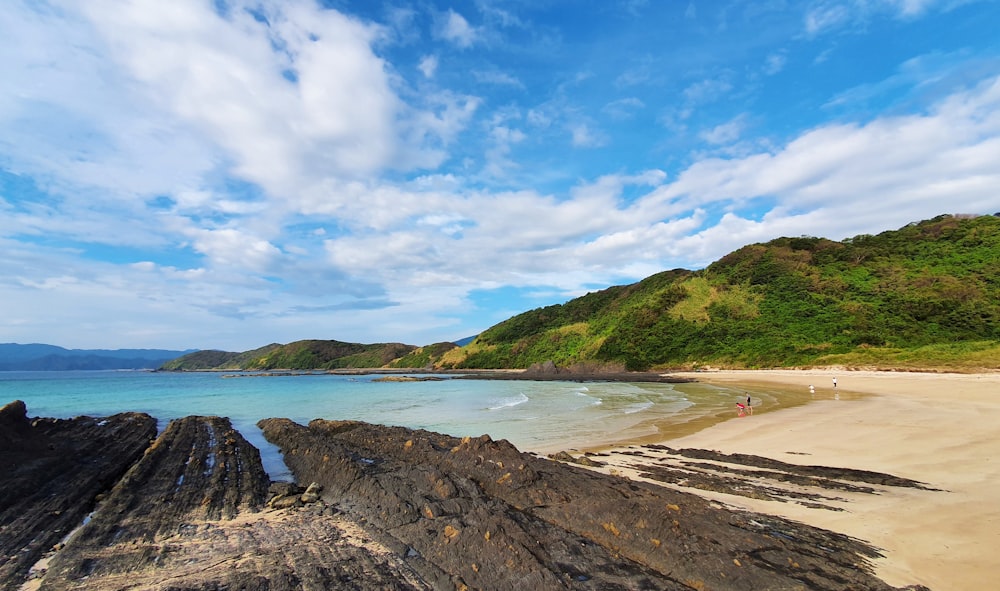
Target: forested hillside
926	295
310	354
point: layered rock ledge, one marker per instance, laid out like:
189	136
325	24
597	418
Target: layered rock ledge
477	513
53	470
385	508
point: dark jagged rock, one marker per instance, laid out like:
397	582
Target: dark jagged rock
755	477
199	469
189	516
52	472
819	472
452	532
386	508
409	379
584	460
481	514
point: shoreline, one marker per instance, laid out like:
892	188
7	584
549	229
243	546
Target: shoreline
934	428
386	507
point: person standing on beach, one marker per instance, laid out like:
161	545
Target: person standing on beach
749	408
834	381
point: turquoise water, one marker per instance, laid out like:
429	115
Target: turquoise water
535	416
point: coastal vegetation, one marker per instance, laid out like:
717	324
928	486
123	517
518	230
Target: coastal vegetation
423	357
926	296
213	359
300	355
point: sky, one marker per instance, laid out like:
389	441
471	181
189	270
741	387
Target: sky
231	173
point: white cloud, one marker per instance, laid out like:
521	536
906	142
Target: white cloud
775	63
624	108
297	175
707	90
70	117
497	77
911	8
540	117
829	15
583	136
402	22
428	65
725	133
825	17
634	76
281	104
131	101
855	178
229	247
498	161
457	30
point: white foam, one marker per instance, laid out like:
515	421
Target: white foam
510	402
637	407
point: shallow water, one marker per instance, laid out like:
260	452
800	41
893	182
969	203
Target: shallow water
538	417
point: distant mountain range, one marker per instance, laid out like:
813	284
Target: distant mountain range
40	357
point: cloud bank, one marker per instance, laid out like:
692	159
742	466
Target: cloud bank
227	174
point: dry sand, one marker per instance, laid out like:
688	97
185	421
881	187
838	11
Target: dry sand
939	429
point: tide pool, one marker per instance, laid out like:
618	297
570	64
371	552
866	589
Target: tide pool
536	416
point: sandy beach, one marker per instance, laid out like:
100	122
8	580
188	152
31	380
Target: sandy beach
942	430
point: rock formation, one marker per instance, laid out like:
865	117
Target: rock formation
192	514
480	514
385	508
200	470
52	472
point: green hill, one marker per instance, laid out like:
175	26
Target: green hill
216	360
310	354
924	296
423	357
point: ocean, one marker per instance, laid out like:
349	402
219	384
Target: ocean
536	416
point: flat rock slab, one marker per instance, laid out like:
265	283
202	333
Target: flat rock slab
53	470
296	549
816	487
477	513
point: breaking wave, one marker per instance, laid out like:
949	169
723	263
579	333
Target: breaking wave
509	402
637	407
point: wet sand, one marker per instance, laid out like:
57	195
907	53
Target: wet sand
939	429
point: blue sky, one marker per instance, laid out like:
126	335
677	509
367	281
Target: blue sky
227	174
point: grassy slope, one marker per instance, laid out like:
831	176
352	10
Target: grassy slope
924	296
